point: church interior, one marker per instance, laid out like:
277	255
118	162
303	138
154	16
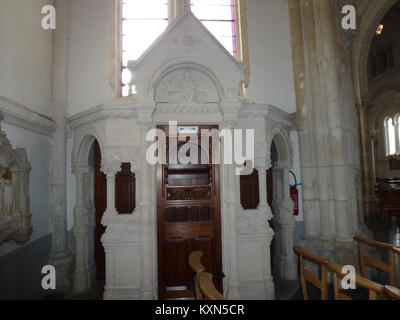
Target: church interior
304	93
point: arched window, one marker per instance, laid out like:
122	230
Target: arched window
390	136
220	19
143	21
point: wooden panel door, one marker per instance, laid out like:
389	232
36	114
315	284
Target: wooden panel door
189	219
100	203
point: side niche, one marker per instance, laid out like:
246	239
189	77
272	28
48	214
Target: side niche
15	216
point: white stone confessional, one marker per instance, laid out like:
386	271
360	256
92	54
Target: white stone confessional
186	76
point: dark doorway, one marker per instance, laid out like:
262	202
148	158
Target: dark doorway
100	203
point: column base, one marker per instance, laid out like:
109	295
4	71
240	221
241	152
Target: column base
234	290
62	261
289	268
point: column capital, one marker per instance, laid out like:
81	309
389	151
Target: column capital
262	165
110	170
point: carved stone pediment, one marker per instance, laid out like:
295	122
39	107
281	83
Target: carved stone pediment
186	64
186	86
15	218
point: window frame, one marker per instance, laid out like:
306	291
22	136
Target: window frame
396	125
242	48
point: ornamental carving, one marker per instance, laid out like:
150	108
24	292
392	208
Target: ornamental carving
15	217
186	87
188	193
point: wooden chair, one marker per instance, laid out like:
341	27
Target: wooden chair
366	260
207	287
197	267
373	288
392	292
307	276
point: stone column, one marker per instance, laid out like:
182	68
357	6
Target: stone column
146	219
80	232
366	154
91	214
262	184
329	58
262	166
110	171
171	11
287	223
304	110
60	255
231	203
181	6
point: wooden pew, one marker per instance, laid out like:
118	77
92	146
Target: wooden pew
373	288
207	287
366	260
197	267
307	276
392	292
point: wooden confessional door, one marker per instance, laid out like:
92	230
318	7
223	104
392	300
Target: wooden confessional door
100	203
189	219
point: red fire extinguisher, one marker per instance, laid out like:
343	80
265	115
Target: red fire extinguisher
294	194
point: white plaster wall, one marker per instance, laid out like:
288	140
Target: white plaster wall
270	54
38	149
25	54
90	54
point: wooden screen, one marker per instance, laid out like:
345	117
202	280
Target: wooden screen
125	190
249	194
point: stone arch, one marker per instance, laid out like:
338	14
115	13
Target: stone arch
371	16
381	105
284	261
183	65
84	211
281	138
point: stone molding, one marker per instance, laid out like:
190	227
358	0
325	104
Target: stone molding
21	116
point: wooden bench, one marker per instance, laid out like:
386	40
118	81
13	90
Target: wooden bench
366	260
392	292
373	288
308	276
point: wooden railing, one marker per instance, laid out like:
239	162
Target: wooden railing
375	290
203	284
308	276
